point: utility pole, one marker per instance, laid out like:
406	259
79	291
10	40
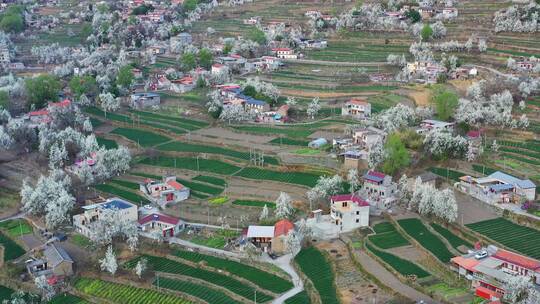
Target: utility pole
255	296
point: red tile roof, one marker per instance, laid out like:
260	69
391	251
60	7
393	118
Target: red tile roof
349	197
39	113
217	65
63	103
517	259
474	134
356	101
156	217
176	185
466	263
283	227
281	50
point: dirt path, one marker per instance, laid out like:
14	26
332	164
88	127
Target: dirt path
377	270
335	63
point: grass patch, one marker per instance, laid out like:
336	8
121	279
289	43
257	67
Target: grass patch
106	143
400	265
8	198
190	163
317	268
254	203
142	137
67	298
12	250
16	227
453	239
417	230
299	298
125	183
255	275
483	169
81	240
447	173
387	237
127	195
219	200
289	141
5	293
307	151
210	180
520	238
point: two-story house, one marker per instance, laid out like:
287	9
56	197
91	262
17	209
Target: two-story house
356	108
165	192
498	187
380	189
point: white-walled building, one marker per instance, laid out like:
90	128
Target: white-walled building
498	187
356	108
167	191
349	212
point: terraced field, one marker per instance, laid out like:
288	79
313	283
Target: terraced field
124	294
16	227
510	235
12	250
299	298
216	181
191	163
210	295
142	137
299	178
255	275
107	143
317	268
447	173
173	267
178	146
400	265
67	298
417	230
387	236
453	239
122	193
5	293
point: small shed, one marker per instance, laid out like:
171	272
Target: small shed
317	143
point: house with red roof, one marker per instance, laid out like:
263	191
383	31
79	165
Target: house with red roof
166	225
165	192
218	68
270	238
489	269
43	115
349	212
183	85
281	229
356	108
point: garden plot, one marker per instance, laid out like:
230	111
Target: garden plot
141	137
209	295
417	230
199	148
453	239
254	203
299	298
510	235
198	190
5	293
192	163
124	294
12	250
174	267
16	227
317	268
67	298
106	143
180	122
387	236
400	265
122	193
216	181
255	275
291	177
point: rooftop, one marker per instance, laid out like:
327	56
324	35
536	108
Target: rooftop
260	231
56	255
375	176
283	227
509	179
156	217
349	197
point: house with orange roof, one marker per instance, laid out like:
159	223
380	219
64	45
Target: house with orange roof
270	238
281	229
489	269
165	225
165	192
356	108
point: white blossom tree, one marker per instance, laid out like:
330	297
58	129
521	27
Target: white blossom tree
140	267
264	213
47	291
109	103
495	146
108	263
5	139
293	242
313	108
284	208
352	179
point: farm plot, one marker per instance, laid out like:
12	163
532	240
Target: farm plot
5	293
198	190
191	163
287	131
317	268
15	228
125	194
181	122
107	143
216	181
299	298
453	239
402	266
299	178
254	203
387	236
124	294
202	292
447	173
173	267
142	137
12	250
417	230
289	141
67	298
125	184
259	277
510	235
178	146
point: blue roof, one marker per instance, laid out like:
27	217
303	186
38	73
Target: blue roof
501	187
117	204
248	99
373	177
145	94
509	179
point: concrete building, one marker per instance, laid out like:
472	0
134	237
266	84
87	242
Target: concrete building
498	187
166	225
356	108
145	100
349	212
165	192
431	124
380	190
54	261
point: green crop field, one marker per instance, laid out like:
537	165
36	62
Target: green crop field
209	295
259	277
483	169
125	183
299	178
181	122
198	190
447	173
16	227
142	137
190	163
287	131
107	143
315	266
387	236
169	266
211	180
178	146
125	194
124	294
517	237
402	266
5	293
453	239
417	230
254	203
299	298
67	298
12	250
289	141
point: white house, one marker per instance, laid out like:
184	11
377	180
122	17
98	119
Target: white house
356	108
144	100
284	53
85	222
165	192
380	189
498	187
167	225
349	212
367	137
431	124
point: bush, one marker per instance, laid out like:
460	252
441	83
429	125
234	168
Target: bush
42	89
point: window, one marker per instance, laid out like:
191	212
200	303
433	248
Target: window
344	204
357	212
357	220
